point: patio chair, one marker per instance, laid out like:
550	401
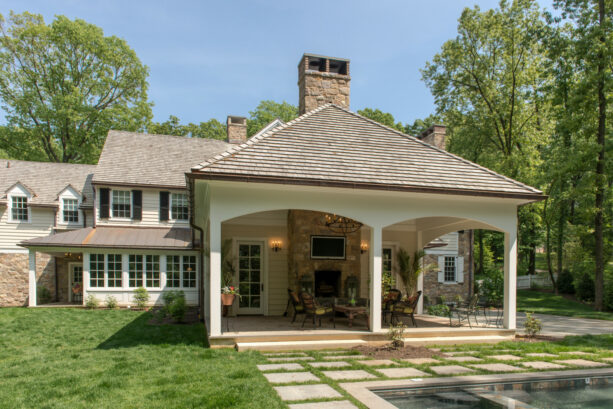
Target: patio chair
313	310
392	297
406	309
294	302
465	310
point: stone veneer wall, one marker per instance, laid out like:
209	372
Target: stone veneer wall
434	289
62	279
14	277
301	225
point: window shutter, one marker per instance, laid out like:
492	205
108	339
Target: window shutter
164	205
459	269
137	205
441	269
104	202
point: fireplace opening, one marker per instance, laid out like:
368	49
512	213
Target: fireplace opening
327	283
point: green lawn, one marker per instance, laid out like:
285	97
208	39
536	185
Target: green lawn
59	358
549	303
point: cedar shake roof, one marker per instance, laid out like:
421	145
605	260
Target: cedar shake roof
117	237
46	180
137	159
332	146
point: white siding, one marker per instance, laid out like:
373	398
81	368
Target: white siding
11	233
450	249
151	209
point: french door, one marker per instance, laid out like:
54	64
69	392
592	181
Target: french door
75	290
251	277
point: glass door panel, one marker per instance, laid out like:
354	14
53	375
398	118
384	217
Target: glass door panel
250	283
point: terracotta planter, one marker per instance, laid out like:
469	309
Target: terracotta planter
227	299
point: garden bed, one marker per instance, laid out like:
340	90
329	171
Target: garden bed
387	351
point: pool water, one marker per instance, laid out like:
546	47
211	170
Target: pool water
584	393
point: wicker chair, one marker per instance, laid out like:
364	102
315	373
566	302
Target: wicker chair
294	302
392	297
406	309
314	310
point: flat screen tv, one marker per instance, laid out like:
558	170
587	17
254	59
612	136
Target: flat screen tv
328	247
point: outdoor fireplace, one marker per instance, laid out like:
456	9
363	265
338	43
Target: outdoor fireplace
327	283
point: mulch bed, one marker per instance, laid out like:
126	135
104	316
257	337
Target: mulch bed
191	317
387	351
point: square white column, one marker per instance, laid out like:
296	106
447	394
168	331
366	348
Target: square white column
85	276
215	278
376	269
32	278
420	279
510	279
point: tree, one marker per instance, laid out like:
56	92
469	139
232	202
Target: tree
64	85
266	112
212	129
384	118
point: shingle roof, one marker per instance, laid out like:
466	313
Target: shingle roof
332	146
117	237
46	180
130	158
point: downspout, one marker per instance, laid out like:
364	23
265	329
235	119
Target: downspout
190	185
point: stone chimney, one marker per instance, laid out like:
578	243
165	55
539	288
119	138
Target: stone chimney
322	80
435	135
237	129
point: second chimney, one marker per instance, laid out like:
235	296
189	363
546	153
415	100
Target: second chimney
435	135
237	129
322	80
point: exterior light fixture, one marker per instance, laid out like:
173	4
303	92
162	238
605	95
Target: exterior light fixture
275	245
340	224
363	247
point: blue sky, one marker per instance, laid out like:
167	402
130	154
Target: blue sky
209	59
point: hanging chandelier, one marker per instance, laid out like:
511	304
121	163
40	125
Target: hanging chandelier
340	224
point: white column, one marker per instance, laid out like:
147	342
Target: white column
510	279
85	276
215	277
32	279
420	279
376	269
163	270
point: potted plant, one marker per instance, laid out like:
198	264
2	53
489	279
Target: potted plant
228	294
410	268
228	291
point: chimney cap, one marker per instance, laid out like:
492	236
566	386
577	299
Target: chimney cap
327	57
433	129
237	120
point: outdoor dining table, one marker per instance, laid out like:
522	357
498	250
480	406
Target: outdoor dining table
354	311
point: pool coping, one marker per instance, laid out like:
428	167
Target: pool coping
363	391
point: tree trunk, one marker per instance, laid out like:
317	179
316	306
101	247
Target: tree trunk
600	176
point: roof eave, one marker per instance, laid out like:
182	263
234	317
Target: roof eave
142	185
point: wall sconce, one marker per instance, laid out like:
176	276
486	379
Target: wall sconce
363	247
275	245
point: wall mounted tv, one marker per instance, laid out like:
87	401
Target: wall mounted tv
328	247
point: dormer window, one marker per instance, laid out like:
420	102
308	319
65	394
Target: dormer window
179	206
19	208
121	204
70	210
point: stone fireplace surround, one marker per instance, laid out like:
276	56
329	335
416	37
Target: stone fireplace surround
327	283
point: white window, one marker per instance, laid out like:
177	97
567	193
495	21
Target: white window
181	271
179	207
19	208
121	204
135	270
152	271
70	210
173	271
96	270
114	270
450	269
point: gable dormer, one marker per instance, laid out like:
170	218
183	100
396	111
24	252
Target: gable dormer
69	202
18	200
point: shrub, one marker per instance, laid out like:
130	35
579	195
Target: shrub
92	302
111	302
565	282
169	296
440	310
492	286
141	298
586	288
396	335
532	325
43	295
178	307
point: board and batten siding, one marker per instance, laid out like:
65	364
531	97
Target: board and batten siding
150	209
276	262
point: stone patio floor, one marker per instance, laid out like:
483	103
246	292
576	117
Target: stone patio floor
310	380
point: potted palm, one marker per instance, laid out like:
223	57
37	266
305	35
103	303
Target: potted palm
410	268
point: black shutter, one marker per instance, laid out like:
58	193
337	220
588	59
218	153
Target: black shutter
164	205
137	204
104	202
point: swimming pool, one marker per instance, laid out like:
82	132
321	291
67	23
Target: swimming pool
586	392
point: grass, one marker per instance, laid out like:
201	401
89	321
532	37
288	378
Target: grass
549	303
57	358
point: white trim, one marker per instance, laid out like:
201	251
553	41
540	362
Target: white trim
61	214
262	241
71	277
170	218
13	251
111	217
9	206
32	279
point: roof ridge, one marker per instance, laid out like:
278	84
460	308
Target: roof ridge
439	149
255	139
178	137
47	163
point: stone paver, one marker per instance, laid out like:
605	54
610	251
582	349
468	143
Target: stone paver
336	404
421	361
455	353
289	359
450	369
289	377
276	367
377	362
334	352
541	355
464	359
577	353
582	362
333	364
303	392
542	365
608	359
402	372
435	349
341	357
281	354
505	357
496	367
351	374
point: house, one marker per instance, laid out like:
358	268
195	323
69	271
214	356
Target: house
321	203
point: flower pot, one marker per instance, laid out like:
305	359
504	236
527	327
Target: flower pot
227	299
